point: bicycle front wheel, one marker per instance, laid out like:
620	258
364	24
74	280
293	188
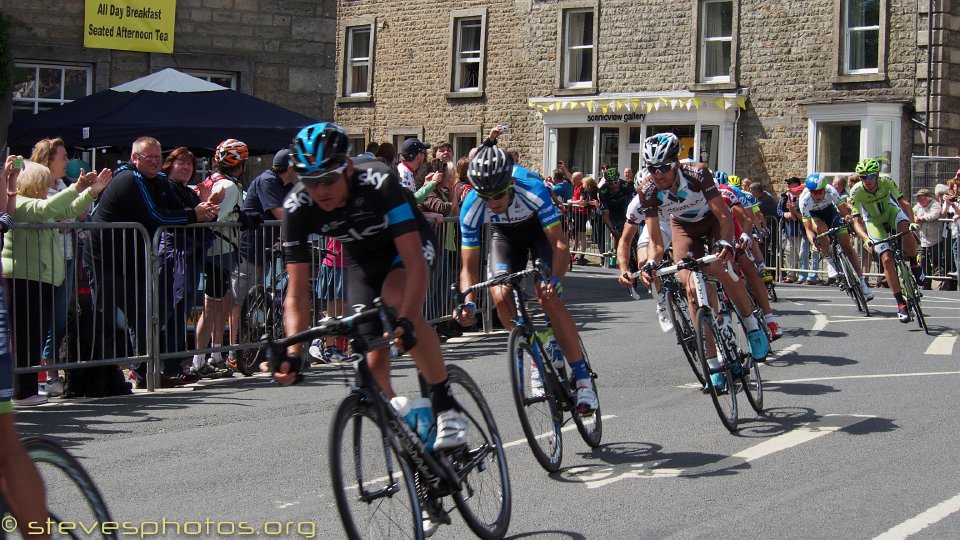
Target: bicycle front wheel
485	499
590	425
72	496
921	320
536	407
373	486
254	316
686	337
749	378
853	285
722	391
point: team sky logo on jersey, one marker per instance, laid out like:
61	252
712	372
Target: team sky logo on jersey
332	225
371	178
351	234
429	253
296	200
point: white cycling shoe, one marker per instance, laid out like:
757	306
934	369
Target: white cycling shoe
451	430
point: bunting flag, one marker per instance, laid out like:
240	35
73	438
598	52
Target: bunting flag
635	104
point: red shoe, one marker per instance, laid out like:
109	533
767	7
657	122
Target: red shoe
775	331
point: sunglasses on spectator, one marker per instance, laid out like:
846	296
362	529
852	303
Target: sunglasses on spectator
326	179
492	196
871	176
658	169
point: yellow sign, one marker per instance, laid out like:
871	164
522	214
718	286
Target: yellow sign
130	25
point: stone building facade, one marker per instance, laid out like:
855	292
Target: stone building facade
805	86
282	51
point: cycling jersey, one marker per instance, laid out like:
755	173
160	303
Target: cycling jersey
616	204
879	202
378	210
808	204
689	204
531	209
730	197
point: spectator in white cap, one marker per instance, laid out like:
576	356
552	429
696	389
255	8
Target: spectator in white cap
927	214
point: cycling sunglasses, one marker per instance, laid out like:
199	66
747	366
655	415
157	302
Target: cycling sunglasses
871	176
492	196
659	169
326	179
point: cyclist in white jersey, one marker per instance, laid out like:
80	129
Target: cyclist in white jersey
698	216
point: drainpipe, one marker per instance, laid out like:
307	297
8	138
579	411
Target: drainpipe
926	114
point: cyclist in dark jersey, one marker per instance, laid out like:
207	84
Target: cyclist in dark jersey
517	205
389	247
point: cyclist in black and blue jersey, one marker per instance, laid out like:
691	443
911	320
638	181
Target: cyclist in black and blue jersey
389	247
517	205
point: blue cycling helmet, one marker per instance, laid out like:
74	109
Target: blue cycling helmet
319	148
816	181
721	177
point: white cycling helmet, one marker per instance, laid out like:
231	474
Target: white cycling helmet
661	148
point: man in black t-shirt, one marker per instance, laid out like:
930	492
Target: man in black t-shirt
389	246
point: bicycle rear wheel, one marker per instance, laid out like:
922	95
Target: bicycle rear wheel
485	501
724	396
72	496
254	316
590	426
686	337
373	486
538	412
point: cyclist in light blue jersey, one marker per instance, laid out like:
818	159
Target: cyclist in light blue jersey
517	205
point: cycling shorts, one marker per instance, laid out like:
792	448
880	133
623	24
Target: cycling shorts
218	277
364	280
6	359
666	233
694	236
509	249
828	215
878	230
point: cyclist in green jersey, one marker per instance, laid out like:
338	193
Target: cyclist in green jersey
879	209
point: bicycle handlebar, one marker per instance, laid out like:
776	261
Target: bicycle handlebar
687	263
830	232
340	326
539	271
892	237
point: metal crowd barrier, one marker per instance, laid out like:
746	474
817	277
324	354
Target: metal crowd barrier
107	310
588	236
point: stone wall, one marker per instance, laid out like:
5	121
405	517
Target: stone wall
281	50
785	57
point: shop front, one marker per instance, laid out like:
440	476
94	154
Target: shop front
588	132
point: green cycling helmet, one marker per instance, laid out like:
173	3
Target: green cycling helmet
868	166
612	174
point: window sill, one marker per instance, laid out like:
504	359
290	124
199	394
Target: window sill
586	91
345	100
713	86
859	78
473	94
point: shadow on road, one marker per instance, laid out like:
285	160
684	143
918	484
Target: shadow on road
795	359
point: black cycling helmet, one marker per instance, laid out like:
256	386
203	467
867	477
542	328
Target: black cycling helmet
490	171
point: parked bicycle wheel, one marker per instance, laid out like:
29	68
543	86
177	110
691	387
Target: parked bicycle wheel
254	317
373	486
485	501
72	496
686	336
590	426
724	396
539	415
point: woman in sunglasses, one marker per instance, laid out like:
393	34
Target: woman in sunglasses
389	247
699	217
517	205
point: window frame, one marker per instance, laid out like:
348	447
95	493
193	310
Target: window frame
842	50
49	103
207	75
869	115
564	86
700	83
704	41
454	54
454	133
347	28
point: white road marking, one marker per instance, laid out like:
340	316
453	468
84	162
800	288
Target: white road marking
880	376
795	302
542	435
595	477
820	320
942	345
789	349
474	336
922	521
281	505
